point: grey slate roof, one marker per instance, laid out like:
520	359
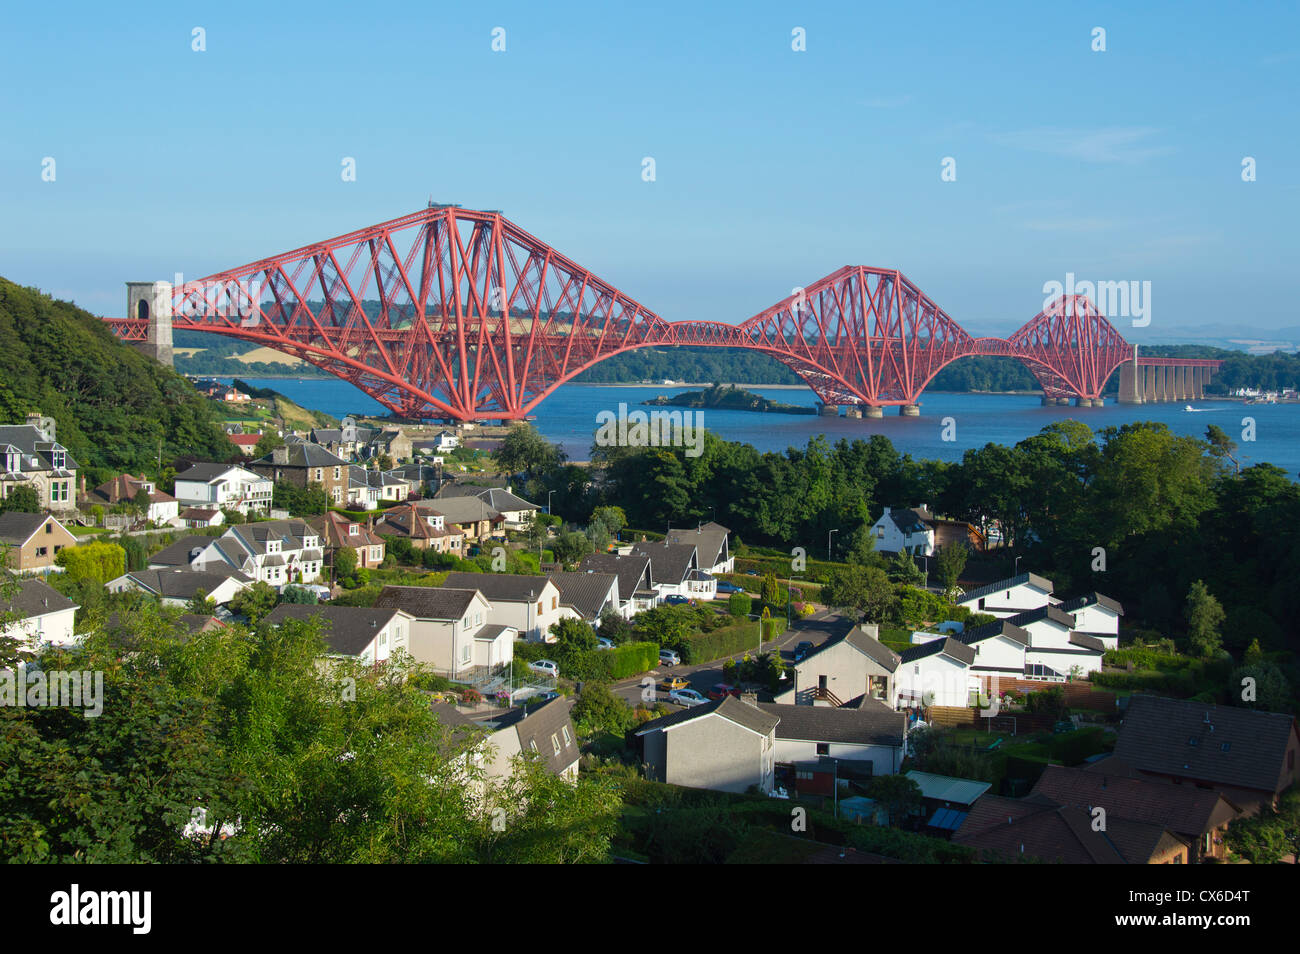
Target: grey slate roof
205	471
999	627
1042	582
948	646
631	570
729	707
587	593
32	443
669	562
301	454
427	602
503	500
504	587
182	583
1157	733
535	728
459	509
872	724
34	598
17	528
1087	642
1054	613
347	629
1092	599
709	540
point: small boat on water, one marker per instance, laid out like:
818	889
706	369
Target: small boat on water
1188	408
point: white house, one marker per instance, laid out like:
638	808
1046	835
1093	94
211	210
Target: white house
518	512
1008	597
675	570
840	671
635	589
1000	650
544	730
726	745
903	529
274	551
872	733
1056	650
588	594
530	605
39	615
450	627
370	635
227	486
710	542
1096	615
936	673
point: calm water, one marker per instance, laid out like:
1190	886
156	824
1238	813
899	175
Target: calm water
568	417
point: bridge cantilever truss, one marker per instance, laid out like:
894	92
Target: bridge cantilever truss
455	313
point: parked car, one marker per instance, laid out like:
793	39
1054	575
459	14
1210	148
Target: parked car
604	642
802	650
725	587
676	600
672	684
547	667
722	689
669	658
686	697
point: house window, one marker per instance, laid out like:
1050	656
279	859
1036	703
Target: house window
320	474
556	743
567	740
41	551
336	473
532	744
539	607
554	599
353	529
823	748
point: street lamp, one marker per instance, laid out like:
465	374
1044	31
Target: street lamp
1016	571
549	493
828	542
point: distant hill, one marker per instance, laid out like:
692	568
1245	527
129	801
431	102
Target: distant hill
115	407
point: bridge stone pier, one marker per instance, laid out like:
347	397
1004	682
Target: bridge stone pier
1158	380
152	301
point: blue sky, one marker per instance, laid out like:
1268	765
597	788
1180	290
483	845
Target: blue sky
773	167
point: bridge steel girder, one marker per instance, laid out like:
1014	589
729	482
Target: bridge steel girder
456	313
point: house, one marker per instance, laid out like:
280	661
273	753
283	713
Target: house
530	605
1247	756
302	464
545	730
946	800
38	615
675	570
588	594
246	443
636	591
516	512
123	489
346	443
426	529
937	673
445	441
336	530
274	551
871	736
450	628
368	635
917	531
1001	652
1056	650
472	517
727	745
1097	616
176	586
32	541
1038	828
841	670
181	553
390	443
210	486
195	518
31	457
369	488
710	542
1198	817
1008	597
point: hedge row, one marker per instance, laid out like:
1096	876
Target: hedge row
730	640
628	660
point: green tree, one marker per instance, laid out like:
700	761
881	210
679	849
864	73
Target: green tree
951	561
903	569
570	547
21	499
739	604
864	589
1204	616
770	589
897	793
99	561
254	601
524	450
200	604
345	566
597	709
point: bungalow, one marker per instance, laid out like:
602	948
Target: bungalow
223	487
246	443
1056	650
368	635
472	517
450	628
710	542
1008	597
195	518
176	586
843	669
675	570
31	541
517	512
1097	616
870	736
529	605
636	592
425	529
181	553
1247	756
727	745
1198	817
38	615
588	594
123	489
546	731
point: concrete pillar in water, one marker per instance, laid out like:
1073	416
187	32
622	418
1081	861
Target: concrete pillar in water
909	410
829	410
874	410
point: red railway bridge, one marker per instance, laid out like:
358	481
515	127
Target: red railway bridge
460	314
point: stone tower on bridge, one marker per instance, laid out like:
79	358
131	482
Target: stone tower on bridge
153	301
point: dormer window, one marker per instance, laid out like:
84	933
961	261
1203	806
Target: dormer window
353	529
57	459
14	462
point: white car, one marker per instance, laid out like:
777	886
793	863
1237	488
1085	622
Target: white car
669	658
686	697
546	667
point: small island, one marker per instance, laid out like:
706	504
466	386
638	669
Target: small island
728	397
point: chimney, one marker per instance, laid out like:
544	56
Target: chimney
280	455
